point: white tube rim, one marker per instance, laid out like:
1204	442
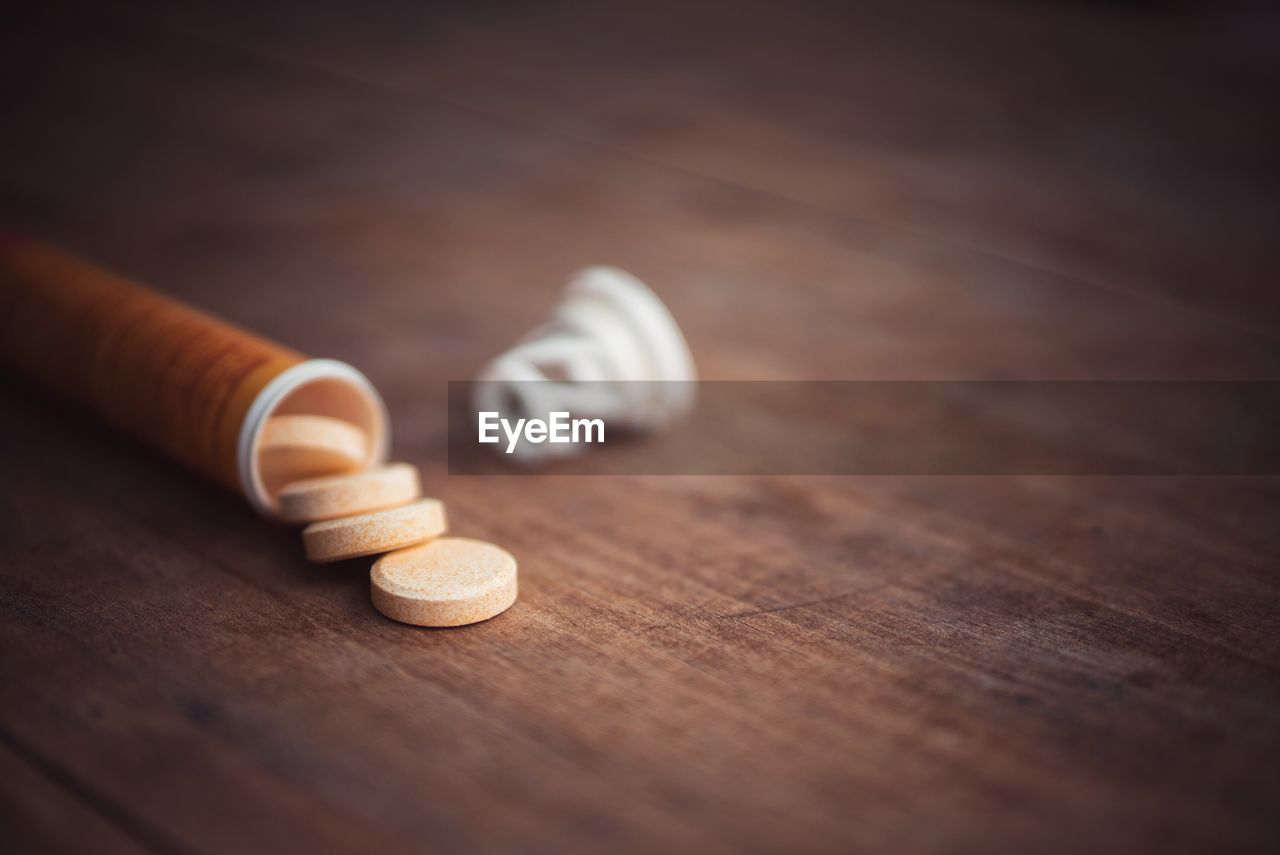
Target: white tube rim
280	387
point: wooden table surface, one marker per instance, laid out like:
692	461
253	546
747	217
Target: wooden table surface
986	190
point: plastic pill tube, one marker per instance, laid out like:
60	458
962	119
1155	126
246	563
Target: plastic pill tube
193	386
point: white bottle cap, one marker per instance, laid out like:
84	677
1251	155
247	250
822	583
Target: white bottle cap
609	326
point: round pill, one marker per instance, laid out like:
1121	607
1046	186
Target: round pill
297	447
449	581
379	531
331	496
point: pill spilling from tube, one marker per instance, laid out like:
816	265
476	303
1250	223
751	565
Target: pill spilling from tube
306	441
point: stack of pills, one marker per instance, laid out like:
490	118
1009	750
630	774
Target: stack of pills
313	465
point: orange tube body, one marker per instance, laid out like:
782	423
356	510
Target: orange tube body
167	373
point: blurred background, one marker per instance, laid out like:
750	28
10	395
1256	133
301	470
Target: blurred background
926	189
1040	190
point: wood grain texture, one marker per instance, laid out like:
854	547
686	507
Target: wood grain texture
720	664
